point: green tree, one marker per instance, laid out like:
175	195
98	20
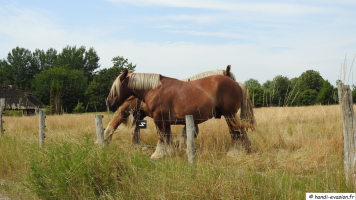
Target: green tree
44	60
99	88
252	83
79	108
310	80
3	64
255	92
268	92
55	97
293	91
325	96
79	59
17	69
72	84
307	97
123	63
281	89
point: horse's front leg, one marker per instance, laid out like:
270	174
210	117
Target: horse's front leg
164	145
119	117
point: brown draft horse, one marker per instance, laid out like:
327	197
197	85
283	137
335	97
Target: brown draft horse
169	100
139	110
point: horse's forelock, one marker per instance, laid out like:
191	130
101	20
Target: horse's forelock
115	88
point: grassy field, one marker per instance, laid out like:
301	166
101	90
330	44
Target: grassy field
295	150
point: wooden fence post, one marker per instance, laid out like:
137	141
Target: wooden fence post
2	108
190	138
349	129
42	126
99	129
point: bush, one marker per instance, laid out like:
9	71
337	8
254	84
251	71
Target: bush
307	98
49	110
13	112
79	108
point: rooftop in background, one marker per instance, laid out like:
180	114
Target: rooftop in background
15	99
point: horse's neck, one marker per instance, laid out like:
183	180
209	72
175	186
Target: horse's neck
140	94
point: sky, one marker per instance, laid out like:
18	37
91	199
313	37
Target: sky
181	38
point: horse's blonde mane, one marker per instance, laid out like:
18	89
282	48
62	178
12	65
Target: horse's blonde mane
142	81
138	81
209	73
115	88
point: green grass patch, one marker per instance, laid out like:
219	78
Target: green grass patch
72	171
13	112
76	168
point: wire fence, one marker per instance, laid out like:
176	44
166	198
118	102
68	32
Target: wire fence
200	150
52	130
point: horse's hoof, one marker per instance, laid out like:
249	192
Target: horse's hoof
158	155
234	153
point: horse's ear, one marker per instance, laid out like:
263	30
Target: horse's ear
227	71
124	75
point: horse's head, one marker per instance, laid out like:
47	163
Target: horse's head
119	92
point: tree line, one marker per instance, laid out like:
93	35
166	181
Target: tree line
308	89
63	80
71	78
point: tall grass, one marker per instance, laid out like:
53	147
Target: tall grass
295	150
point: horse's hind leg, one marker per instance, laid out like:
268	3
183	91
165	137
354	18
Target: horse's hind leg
136	133
239	140
182	141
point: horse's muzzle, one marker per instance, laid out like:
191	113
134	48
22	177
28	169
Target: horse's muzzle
112	107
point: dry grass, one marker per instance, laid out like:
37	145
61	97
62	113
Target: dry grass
288	134
292	146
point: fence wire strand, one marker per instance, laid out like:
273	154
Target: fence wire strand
142	143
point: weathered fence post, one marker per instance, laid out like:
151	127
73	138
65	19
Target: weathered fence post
190	138
2	108
42	126
99	129
349	128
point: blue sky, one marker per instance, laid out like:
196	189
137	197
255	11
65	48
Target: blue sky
180	38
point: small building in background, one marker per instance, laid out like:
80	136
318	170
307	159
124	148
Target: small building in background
15	99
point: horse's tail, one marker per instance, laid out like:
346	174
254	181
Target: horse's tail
246	113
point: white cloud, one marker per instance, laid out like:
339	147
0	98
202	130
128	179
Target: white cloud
181	60
270	8
286	53
214	34
39	29
202	19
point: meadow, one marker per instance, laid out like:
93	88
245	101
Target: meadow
294	150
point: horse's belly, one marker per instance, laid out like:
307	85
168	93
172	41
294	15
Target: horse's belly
204	110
